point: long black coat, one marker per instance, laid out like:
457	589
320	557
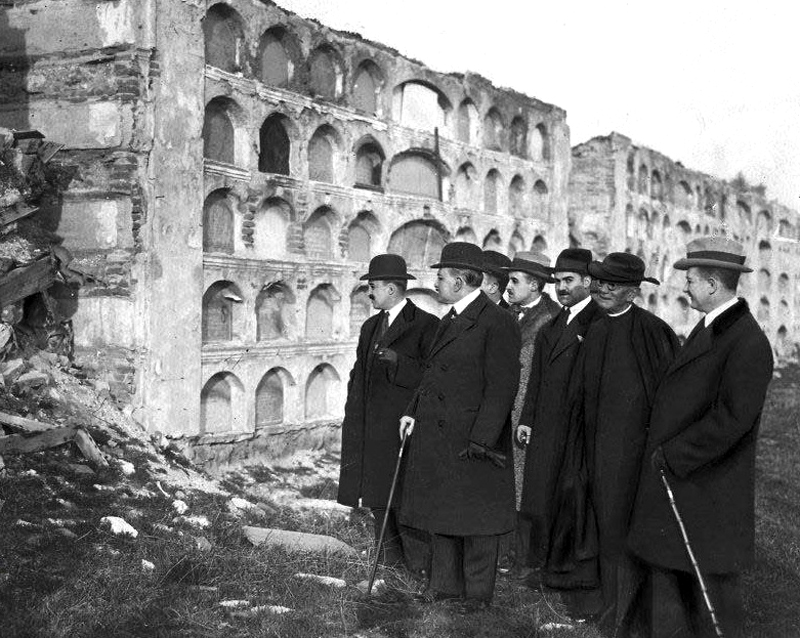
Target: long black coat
705	416
548	408
377	396
466	394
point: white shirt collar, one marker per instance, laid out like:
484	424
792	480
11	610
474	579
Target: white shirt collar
461	305
395	310
533	303
621	312
574	310
719	310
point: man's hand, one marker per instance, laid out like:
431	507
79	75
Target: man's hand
658	460
524	434
388	355
477	452
406	425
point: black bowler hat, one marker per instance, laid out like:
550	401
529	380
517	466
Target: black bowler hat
460	254
494	263
573	260
387	266
620	268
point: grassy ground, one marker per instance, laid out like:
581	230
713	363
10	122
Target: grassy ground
87	582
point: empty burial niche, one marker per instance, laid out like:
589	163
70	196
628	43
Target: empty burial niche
278	53
467	122
644	179
541	200
322	393
318	234
466	180
270	397
321	149
518	141
421	106
492	241
275	148
515	244
683	307
324	73
539	244
516	197
466	234
221	402
360	234
275	310
224	38
490	190
319	312
416	174
360	309
493	130
369	164
221	309
366	87
218	223
219	138
419	242
271	226
657	188
763	313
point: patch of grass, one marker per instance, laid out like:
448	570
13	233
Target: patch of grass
325	489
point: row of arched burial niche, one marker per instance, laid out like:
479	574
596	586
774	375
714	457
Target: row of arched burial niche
273	232
280	61
224	401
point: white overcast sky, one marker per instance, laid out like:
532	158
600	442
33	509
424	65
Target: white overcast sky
715	85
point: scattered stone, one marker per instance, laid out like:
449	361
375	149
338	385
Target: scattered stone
297	541
262	609
40	363
134	513
267	509
89	448
147	566
321	505
11	370
65	504
66	533
328	581
80	469
29	473
103	488
378	584
203	544
25	524
237	506
180	494
119	526
164	529
180	506
32	379
206	589
62	522
234	604
126	467
195	521
553	626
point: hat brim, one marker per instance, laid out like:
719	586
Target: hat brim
686	263
543	272
597	271
384	277
458	264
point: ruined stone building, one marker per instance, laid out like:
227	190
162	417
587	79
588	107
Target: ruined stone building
228	171
631	198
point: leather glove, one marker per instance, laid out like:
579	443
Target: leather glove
658	460
477	452
388	355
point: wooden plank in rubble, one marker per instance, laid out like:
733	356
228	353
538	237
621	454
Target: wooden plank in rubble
16	212
25	281
21	424
34	442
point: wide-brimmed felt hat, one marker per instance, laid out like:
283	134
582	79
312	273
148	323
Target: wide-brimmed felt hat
713	251
387	266
460	254
573	260
536	264
620	268
494	262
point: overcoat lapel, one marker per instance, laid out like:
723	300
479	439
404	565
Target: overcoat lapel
572	330
462	322
401	325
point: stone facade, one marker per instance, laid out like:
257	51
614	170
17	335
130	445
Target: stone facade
625	197
230	168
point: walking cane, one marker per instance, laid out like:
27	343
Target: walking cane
386	514
709	606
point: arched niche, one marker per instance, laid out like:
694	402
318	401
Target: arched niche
367	87
269	397
657	187
325	72
278	56
220	404
518	139
517	206
515	244
466	186
218	223
318	234
275	311
369	163
491	187
221	140
361	233
468	122
494	133
764	223
360	308
322	393
631	172
322	149
419	242
320	312
221	312
763	312
539	244
466	234
272	221
644	179
684	195
415	173
275	147
783	284
422	105
223	37
492	241
541	200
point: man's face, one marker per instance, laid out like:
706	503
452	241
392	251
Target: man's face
448	286
613	297
380	294
522	288
699	290
571	287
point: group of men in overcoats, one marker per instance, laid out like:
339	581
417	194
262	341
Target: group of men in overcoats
563	423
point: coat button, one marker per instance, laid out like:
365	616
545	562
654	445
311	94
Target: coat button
443	367
440	423
441	397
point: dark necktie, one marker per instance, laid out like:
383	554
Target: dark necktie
444	324
561	322
383	326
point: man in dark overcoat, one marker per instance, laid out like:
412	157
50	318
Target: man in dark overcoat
528	274
459	481
702	436
553	485
388	368
623	359
495	276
